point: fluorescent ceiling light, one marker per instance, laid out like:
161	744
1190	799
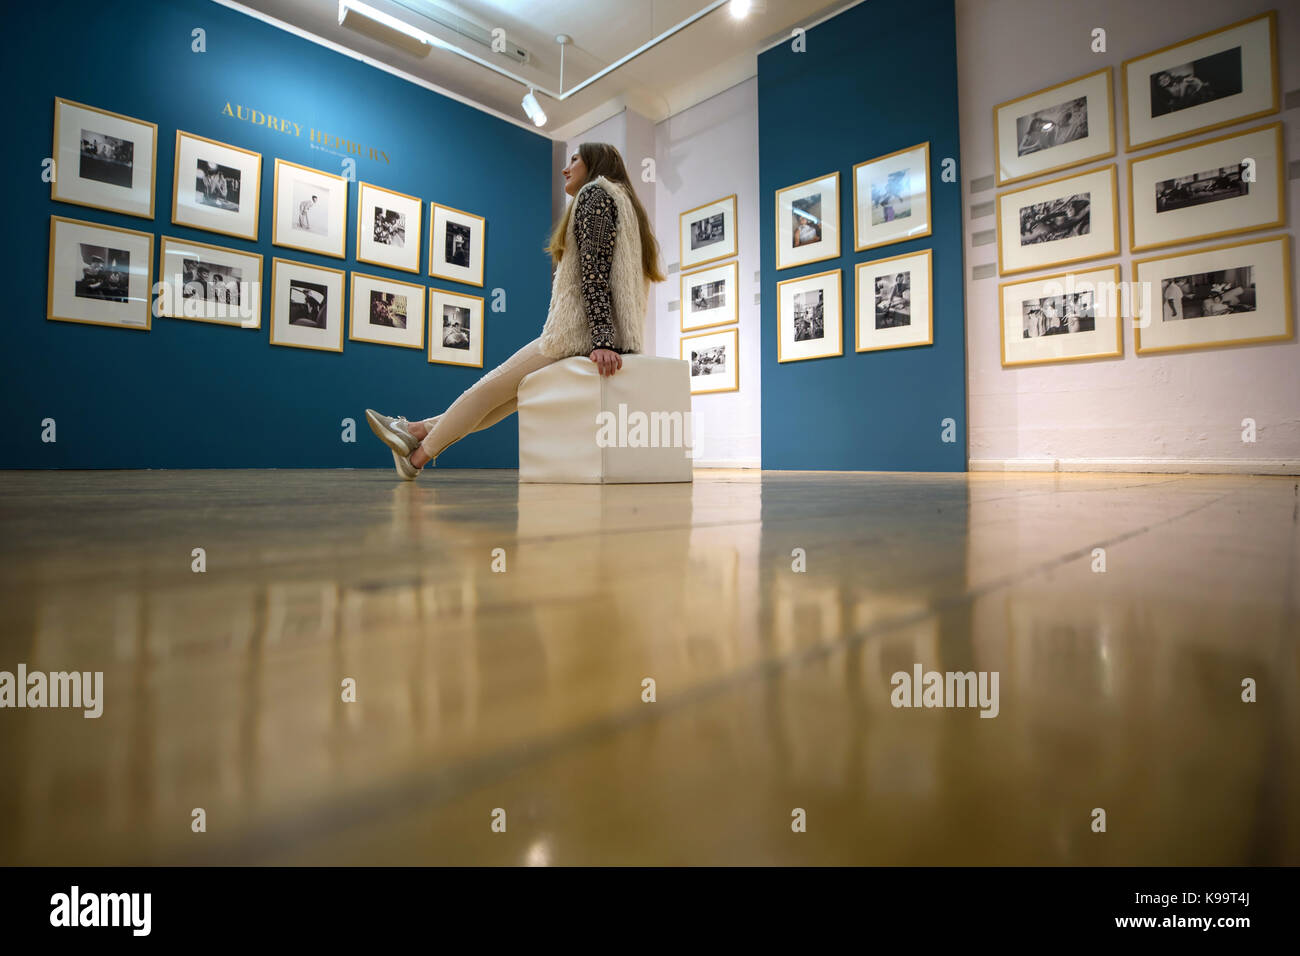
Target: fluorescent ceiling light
390	21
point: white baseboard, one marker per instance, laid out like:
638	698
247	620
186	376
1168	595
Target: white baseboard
1156	466
727	463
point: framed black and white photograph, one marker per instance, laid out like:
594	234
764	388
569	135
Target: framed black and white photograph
307	306
808	221
1065	220
707	233
207	283
1065	125
710	296
216	187
1213	80
455	328
99	275
1218	187
893	306
1062	318
714	361
311	210
891	198
388	228
809	317
456	244
103	160
387	311
1233	294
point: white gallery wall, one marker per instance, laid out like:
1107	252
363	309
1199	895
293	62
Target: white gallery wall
701	154
1176	411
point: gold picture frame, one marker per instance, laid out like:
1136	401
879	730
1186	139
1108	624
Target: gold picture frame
830	222
861	242
1279	208
733	310
1279	275
59	306
1274	88
728	205
1082	82
74	189
416	290
1068	283
786	322
479	322
255	191
863	268
283	229
730	339
282	331
177	310
472	273
414	207
1090	250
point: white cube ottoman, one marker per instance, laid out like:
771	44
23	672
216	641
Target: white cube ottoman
577	426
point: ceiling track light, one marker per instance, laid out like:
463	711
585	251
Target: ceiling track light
534	108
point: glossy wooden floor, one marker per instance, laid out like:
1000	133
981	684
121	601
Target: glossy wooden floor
522	689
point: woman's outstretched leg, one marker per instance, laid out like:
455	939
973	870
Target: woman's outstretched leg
484	403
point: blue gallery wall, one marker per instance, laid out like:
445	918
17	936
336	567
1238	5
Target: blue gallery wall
188	394
879	77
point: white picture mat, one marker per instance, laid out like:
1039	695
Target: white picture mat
1260	206
728	311
334	239
1099	142
915	225
190	212
362	329
726	380
438	352
171	270
1103	339
828	246
723	248
1101	239
1270	259
1256	84
69	186
471	274
330	337
831	342
921	329
66	269
406	258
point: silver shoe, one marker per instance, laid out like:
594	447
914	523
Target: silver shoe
392	432
405	469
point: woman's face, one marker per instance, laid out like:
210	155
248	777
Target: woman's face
575	174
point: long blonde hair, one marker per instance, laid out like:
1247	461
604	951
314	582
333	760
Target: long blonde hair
601	159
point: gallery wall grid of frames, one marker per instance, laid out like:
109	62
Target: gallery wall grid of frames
103	275
709	295
1187	193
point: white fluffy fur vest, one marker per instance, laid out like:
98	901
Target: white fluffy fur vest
567	331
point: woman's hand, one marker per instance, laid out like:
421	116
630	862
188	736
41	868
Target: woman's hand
607	360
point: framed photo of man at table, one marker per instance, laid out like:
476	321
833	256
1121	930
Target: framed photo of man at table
455	328
707	233
893	305
216	187
1213	80
1233	294
311	210
808	221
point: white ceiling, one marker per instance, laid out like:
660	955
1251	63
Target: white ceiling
710	55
